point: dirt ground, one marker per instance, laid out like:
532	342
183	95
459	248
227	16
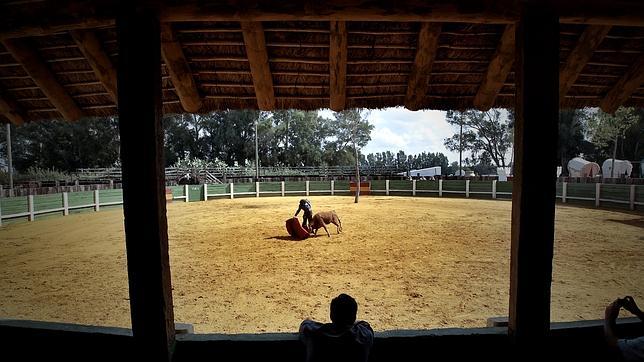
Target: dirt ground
411	263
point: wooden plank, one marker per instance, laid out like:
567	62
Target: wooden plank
258	59
534	185
11	110
91	47
625	87
144	206
25	54
580	55
497	71
338	65
418	81
48	17
179	69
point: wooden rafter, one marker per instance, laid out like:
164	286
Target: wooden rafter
48	17
418	82
11	110
624	87
497	71
43	77
338	65
258	59
580	55
179	69
90	46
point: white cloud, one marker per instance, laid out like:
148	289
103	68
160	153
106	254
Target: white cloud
413	132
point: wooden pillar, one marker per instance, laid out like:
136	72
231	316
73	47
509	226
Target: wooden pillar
144	205
534	188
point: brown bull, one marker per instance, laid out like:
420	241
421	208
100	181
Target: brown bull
321	219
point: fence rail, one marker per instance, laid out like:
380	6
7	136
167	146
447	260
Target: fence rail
598	194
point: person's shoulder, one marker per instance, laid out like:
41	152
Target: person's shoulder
363	327
309	325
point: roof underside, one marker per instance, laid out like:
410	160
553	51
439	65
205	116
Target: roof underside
380	59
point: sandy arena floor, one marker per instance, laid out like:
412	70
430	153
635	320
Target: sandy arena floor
411	263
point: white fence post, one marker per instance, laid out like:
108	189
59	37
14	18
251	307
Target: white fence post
386	186
307	187
564	188
440	188
632	198
186	190
256	188
597	192
65	204
332	187
232	190
97	203
467	188
205	192
282	188
31	207
494	189
413	187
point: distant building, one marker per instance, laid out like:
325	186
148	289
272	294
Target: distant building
424	172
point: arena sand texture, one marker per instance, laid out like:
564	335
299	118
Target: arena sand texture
411	263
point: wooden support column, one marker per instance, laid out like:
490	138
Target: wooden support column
11	110
588	42
497	71
259	68
624	87
338	65
534	187
25	54
144	205
101	64
179	69
418	82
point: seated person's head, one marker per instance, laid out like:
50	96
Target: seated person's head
343	310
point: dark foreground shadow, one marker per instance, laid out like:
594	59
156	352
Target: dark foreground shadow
281	237
632	222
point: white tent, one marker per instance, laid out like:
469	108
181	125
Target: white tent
578	167
424	172
622	168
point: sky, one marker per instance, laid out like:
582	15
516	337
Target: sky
413	132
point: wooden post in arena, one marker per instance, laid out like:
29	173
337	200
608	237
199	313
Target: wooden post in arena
282	188
232	190
97	201
307	187
631	199
186	191
494	189
386	187
332	187
597	193
564	189
440	188
205	192
467	188
30	204
534	185
144	205
65	204
413	187
256	188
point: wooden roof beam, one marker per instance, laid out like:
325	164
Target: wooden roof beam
418	82
91	48
580	55
497	71
259	67
179	69
624	87
43	77
338	65
11	110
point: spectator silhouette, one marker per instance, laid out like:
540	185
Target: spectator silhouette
626	349
343	339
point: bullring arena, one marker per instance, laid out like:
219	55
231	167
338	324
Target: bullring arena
411	263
